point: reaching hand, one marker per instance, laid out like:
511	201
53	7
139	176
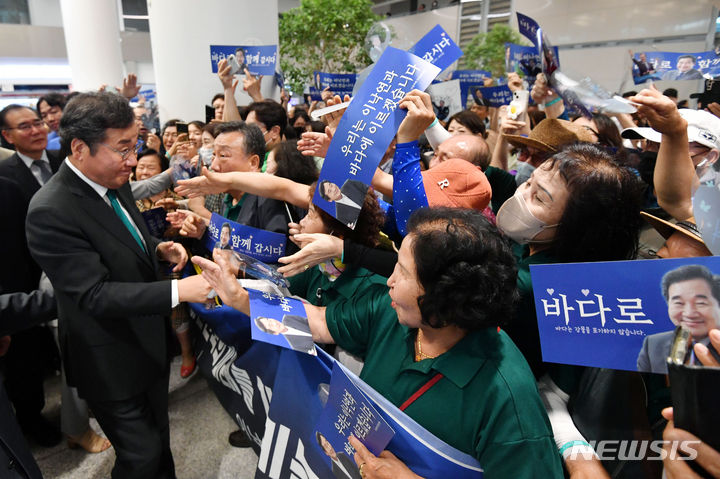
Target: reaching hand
129	88
332	120
713	108
541	92
315	248
677	467
209	183
182	138
384	466
660	111
326	94
219	276
191	224
172	253
193	289
420	115
315	144
251	84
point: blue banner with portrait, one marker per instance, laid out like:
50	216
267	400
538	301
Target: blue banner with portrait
281	321
524	60
366	129
259	60
469	78
339	83
496	96
621	314
672	66
437	48
262	245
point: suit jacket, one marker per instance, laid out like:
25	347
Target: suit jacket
298	342
692	74
112	306
355	190
14	169
655	350
349	466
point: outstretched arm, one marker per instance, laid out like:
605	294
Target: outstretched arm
261	184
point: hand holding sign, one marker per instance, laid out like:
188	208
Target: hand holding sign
225	75
660	111
384	466
219	276
703	353
420	115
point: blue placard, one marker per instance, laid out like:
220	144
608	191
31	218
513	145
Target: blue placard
260	60
263	245
497	96
673	66
469	78
155	221
437	48
609	314
340	83
706	209
525	60
365	131
347	412
280	321
528	28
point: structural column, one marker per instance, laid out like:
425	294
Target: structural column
181	32
92	38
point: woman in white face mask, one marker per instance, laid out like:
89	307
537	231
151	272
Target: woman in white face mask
579	205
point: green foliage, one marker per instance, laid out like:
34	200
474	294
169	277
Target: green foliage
325	35
486	51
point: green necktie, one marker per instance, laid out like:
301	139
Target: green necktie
112	195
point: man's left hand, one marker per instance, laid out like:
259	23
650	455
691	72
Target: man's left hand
172	253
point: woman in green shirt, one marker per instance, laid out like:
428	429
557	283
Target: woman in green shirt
453	285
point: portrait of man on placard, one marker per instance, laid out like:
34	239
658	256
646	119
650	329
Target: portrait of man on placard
348	199
692	293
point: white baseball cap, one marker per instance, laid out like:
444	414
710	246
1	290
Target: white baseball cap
703	127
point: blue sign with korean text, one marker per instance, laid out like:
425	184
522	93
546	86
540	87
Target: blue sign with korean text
280	321
437	48
155	221
497	96
671	66
615	314
528	28
365	131
263	245
469	78
259	60
347	412
340	83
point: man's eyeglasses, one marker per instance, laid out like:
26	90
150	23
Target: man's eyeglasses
126	152
25	127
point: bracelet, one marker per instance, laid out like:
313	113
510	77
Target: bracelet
552	102
435	122
570	444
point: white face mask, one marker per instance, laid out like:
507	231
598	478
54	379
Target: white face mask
516	221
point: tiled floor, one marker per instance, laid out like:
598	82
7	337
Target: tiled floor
199	428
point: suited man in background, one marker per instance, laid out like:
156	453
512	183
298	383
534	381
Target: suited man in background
692	293
29	167
348	199
87	235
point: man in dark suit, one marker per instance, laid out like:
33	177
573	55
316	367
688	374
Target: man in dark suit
348	199
87	235
692	293
29	167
